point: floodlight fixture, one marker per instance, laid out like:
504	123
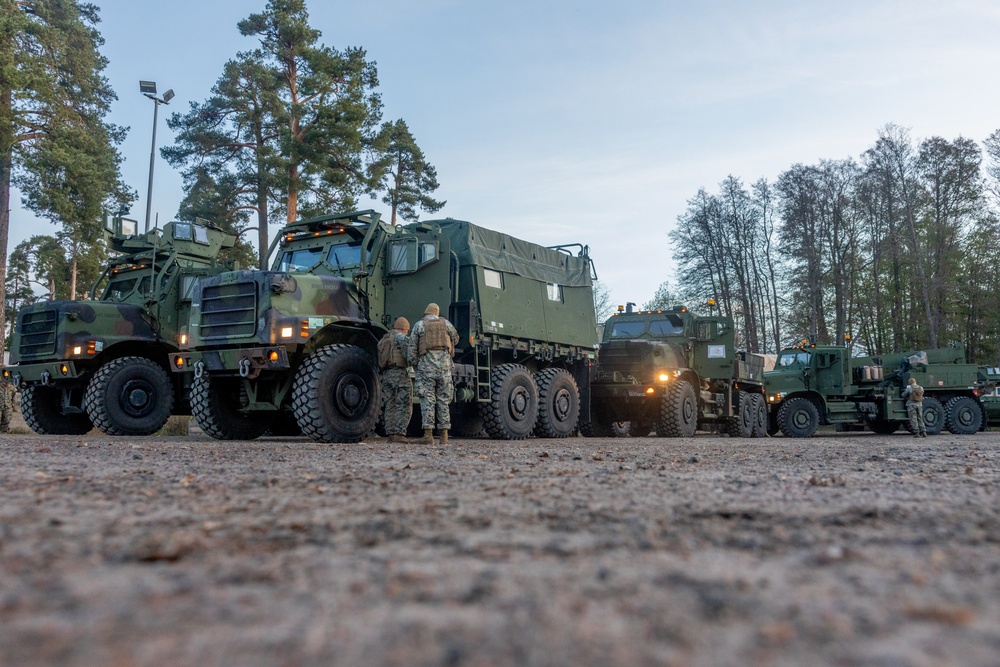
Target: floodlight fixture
167	96
148	87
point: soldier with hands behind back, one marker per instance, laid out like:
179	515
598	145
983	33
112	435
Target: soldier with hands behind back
432	346
397	387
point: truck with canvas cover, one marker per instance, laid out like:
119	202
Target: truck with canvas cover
102	361
298	343
823	384
675	371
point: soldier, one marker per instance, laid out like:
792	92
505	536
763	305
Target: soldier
914	395
397	387
6	405
432	345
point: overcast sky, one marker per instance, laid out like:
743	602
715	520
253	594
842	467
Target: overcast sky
593	122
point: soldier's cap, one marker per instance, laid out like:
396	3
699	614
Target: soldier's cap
432	309
401	323
913	380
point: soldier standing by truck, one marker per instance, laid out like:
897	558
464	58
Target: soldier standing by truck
397	387
6	406
914	395
432	346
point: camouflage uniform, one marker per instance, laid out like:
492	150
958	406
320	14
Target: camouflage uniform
433	383
6	405
397	388
914	395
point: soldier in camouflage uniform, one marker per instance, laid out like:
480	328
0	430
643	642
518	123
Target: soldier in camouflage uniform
914	395
6	405
397	387
432	345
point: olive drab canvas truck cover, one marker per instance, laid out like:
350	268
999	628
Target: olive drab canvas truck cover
103	361
296	346
675	371
824	384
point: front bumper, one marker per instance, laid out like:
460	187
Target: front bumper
245	362
48	373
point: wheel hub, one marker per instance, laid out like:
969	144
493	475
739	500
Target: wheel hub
137	398
351	395
561	405
518	403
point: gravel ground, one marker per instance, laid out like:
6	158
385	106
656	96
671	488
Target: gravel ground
846	549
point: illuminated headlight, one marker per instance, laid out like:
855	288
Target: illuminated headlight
286	332
663	377
775	397
77	350
183	339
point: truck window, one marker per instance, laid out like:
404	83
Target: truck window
666	328
493	278
788	358
555	292
627	329
344	254
187	286
428	253
201	234
300	260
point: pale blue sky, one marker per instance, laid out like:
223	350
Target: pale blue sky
594	122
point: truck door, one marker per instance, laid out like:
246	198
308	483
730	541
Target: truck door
830	373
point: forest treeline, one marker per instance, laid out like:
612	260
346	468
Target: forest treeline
898	249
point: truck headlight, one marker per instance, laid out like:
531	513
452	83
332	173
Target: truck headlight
663	377
286	332
77	350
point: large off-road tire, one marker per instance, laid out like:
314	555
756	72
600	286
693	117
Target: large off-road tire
337	396
621	429
759	409
883	426
798	418
466	422
640	428
217	405
558	404
962	415
129	396
678	411
740	425
933	416
41	408
513	408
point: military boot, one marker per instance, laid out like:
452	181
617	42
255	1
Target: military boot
428	438
397	437
444	436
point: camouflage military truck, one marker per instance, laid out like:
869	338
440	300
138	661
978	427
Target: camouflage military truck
300	341
675	371
823	384
989	395
103	361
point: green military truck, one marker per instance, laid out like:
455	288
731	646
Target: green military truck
676	372
103	361
822	384
299	341
989	395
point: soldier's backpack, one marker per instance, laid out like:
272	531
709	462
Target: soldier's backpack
916	393
385	350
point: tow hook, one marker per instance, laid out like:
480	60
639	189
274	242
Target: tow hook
46	379
199	369
244	367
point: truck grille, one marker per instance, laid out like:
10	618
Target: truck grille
623	355
229	310
38	334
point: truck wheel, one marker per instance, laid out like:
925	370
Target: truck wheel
600	426
337	396
621	429
217	406
513	408
41	408
129	396
933	416
883	426
558	404
798	418
740	425
639	429
466	422
759	408
678	411
962	415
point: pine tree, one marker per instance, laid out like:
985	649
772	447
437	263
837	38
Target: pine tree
410	179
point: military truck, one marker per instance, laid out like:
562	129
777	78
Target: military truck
102	361
823	384
989	395
299	341
675	371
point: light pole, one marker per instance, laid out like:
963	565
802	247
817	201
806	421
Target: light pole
148	88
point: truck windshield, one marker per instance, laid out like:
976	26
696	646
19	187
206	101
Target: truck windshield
302	259
627	329
666	328
344	254
788	358
120	288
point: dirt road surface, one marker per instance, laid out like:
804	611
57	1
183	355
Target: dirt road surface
845	549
